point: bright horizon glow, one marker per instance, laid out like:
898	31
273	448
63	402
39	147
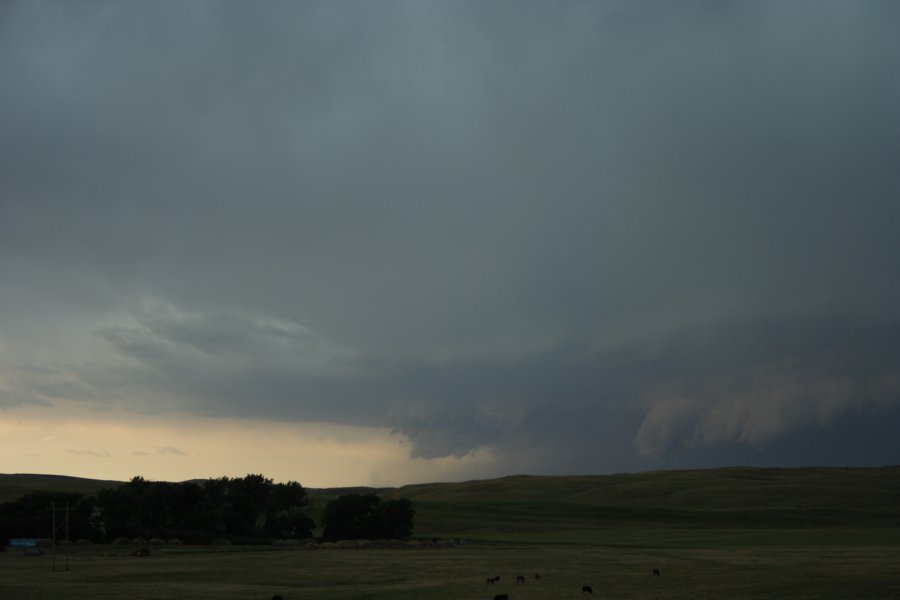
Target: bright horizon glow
120	445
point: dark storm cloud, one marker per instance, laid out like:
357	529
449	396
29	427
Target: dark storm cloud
599	232
737	384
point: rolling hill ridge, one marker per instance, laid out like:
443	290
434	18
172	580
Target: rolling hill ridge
592	508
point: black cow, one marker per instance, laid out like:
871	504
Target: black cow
586	589
537	576
520	578
277	597
501	597
492	579
656	571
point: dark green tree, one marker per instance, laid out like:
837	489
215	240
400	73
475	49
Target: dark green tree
286	512
250	508
358	516
122	508
398	518
30	517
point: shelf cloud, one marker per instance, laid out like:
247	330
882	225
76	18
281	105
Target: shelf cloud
544	237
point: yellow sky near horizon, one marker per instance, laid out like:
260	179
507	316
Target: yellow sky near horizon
120	445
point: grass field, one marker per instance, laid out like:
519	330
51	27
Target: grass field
459	573
720	534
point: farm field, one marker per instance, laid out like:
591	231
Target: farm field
717	534
458	573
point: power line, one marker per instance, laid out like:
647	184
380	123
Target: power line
65	523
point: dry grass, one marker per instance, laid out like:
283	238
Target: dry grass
733	533
458	573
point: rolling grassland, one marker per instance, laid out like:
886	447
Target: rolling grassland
459	573
726	533
14	486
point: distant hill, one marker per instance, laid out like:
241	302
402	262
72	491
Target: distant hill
13	486
19	484
732	488
570	508
585	509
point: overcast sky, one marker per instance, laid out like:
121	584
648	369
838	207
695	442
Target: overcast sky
349	242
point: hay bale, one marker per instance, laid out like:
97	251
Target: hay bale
139	541
121	541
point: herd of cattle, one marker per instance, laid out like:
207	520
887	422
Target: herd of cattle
585	589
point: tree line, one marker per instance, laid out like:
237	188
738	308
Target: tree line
247	509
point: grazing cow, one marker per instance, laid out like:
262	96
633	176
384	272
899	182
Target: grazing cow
520	579
501	597
656	571
586	589
492	579
537	576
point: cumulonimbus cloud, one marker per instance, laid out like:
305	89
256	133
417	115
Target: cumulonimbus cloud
480	225
788	376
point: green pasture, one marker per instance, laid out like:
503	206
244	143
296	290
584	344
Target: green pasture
719	534
458	573
611	526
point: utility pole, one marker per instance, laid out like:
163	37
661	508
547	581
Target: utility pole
68	543
53	537
53	534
